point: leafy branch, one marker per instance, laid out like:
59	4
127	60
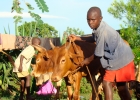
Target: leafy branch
18	19
42	5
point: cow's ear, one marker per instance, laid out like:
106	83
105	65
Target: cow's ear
32	65
72	55
39	48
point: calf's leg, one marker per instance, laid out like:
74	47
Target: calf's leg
76	85
69	89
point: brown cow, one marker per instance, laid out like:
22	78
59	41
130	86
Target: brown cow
67	58
42	70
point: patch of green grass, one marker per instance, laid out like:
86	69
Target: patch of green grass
84	96
115	96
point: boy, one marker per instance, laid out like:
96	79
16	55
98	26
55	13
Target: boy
115	55
22	64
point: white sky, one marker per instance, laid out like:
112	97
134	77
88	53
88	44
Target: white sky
62	14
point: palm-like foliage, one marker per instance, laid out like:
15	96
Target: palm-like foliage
8	80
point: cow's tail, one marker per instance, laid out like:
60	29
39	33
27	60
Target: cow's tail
10	58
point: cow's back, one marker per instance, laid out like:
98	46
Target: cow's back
88	50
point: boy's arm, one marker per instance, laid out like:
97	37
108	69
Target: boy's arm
87	60
21	62
73	38
88	39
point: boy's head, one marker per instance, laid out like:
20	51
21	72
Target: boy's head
94	17
36	41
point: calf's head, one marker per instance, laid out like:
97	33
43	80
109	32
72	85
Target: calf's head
42	64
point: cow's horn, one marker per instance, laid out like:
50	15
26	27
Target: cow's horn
39	48
51	44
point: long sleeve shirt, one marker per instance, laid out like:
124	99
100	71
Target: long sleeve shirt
111	48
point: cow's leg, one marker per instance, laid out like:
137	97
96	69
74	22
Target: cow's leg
94	87
57	97
76	85
123	91
69	89
58	84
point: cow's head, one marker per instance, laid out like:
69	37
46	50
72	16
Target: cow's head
64	60
43	63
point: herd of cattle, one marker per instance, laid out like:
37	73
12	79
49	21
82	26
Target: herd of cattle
64	62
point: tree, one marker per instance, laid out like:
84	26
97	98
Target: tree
18	9
128	12
37	29
71	31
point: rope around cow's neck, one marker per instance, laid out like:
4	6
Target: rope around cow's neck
93	85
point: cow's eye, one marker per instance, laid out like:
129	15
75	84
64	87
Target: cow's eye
63	61
37	60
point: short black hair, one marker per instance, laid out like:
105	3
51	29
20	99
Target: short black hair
97	9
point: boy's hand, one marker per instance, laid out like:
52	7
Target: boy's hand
20	69
72	37
85	62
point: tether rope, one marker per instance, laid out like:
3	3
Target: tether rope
93	85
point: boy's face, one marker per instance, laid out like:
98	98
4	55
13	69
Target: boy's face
93	19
